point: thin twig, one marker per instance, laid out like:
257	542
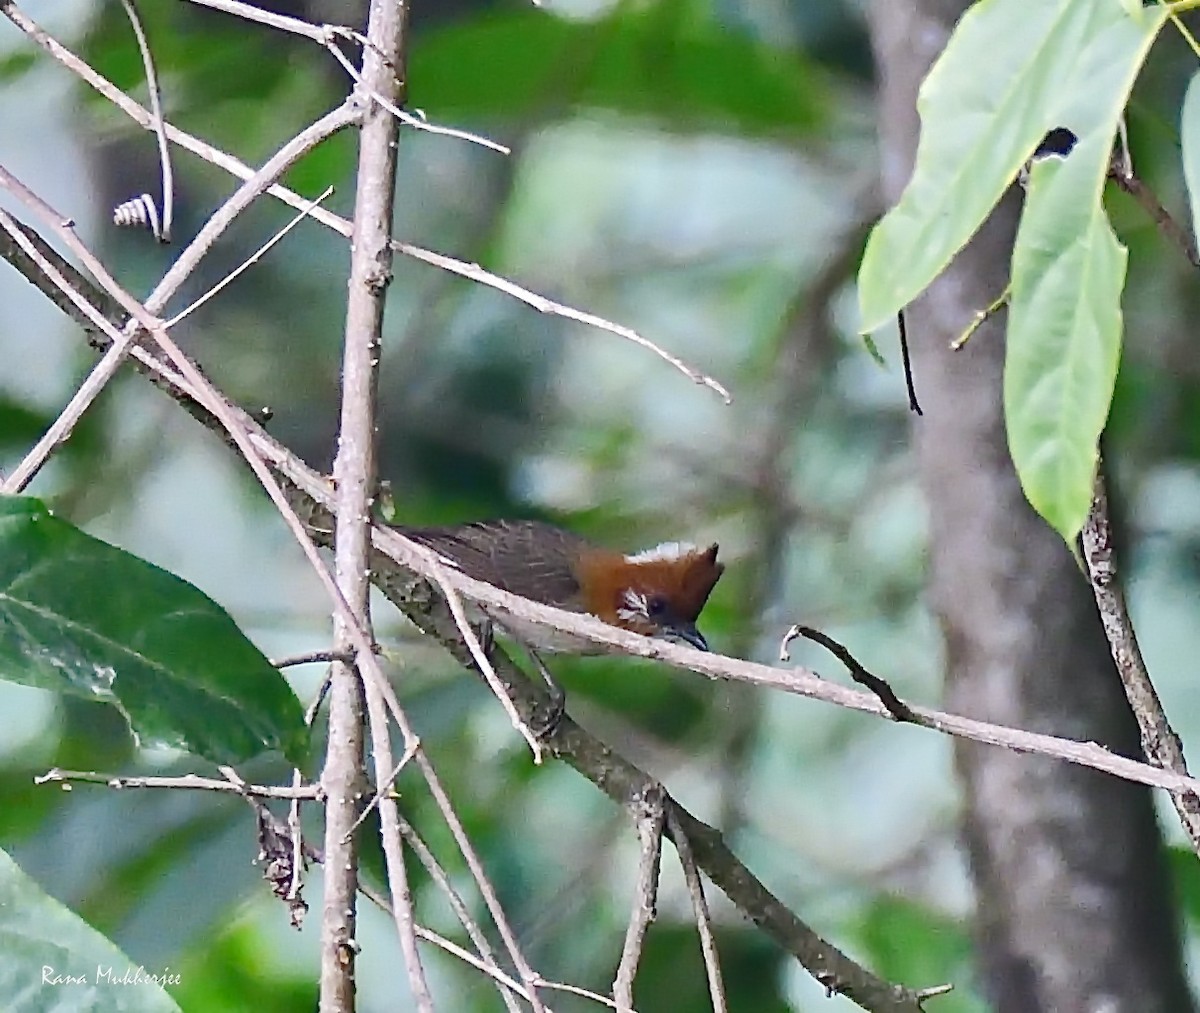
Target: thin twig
254	258
324	36
386	790
708	942
313	657
982	317
417	122
191	782
896	707
650	832
474	272
64	424
486	967
1160	742
163	234
1170	229
481	661
296	830
528	978
442	880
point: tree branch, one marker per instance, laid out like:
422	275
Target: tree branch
1160	742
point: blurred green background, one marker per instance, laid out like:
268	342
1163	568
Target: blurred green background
704	173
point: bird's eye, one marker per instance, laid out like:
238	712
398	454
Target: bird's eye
656	606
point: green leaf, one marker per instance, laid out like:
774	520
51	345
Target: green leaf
1012	71
658	60
1189	137
80	616
1068	271
42	943
1064	336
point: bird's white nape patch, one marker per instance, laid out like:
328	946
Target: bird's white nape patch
633	605
664	553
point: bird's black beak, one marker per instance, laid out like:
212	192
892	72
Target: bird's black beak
685	633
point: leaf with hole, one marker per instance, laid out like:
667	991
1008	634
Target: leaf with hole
1068	271
1012	71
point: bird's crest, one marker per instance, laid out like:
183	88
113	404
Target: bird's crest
678	574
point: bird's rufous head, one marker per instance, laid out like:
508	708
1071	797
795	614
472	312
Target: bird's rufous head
657	593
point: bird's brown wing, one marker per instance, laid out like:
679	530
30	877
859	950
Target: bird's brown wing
529	558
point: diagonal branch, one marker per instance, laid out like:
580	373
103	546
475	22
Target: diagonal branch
1160	742
708	941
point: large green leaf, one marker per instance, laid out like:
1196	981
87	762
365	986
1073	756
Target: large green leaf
1068	272
657	60
53	962
1064	338
80	616
1012	71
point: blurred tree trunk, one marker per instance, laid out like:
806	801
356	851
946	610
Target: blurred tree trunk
1073	902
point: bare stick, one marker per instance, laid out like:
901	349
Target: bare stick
313	657
354	475
486	967
896	707
472	272
163	234
417	122
1122	174
528	978
982	317
708	942
64	424
1160	742
57	775
543	305
650	831
387	789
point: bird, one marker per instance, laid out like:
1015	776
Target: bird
658	592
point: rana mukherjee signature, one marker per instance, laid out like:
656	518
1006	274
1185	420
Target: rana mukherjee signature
108	975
